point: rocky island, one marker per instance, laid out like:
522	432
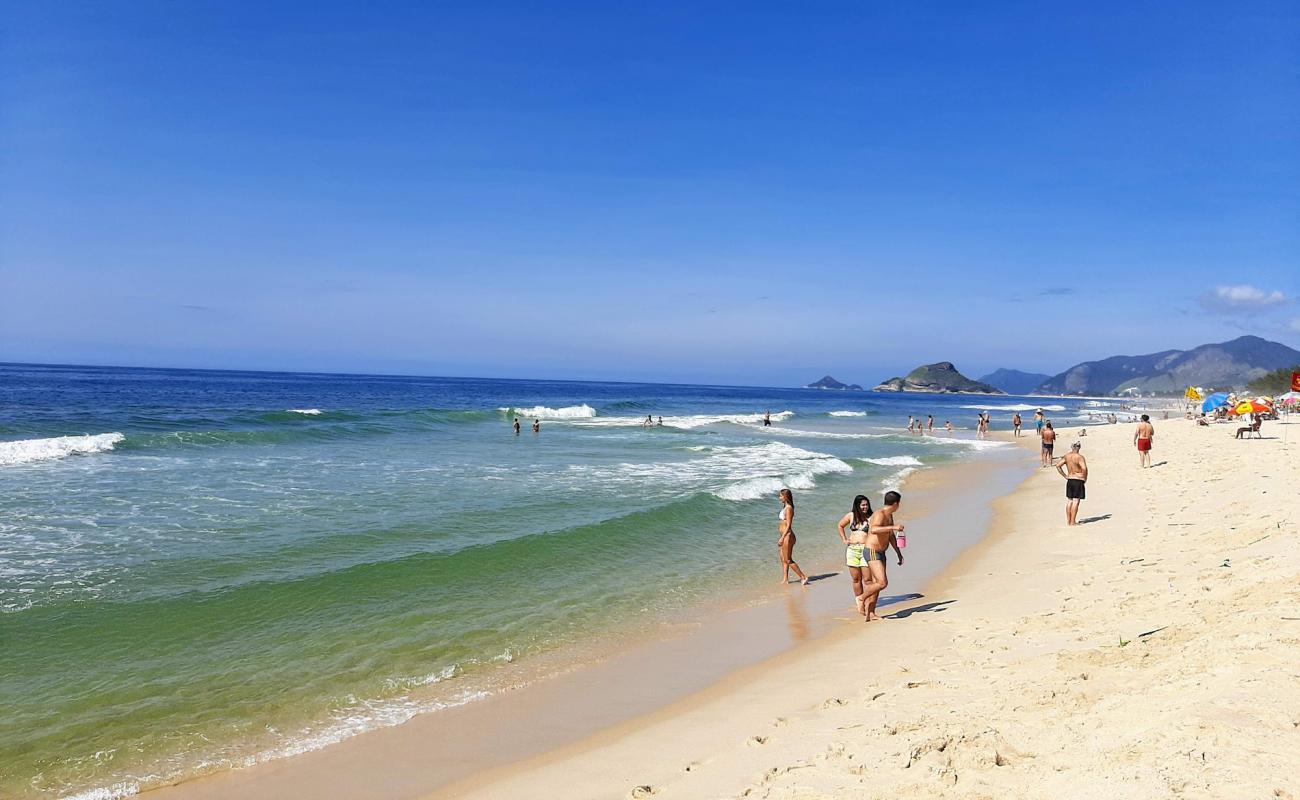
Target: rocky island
830	383
940	378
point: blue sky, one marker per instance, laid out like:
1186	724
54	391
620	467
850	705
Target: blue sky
734	193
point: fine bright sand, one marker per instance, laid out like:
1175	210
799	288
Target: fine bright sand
1152	652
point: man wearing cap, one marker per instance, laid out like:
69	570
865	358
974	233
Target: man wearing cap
1074	468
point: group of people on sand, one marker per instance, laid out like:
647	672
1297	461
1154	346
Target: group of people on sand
867	536
1074	467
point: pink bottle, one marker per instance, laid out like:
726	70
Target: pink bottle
902	540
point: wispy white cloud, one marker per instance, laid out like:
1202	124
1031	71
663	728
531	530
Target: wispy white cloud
1239	299
1294	325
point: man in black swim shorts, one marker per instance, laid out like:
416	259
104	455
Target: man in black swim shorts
1049	441
1074	468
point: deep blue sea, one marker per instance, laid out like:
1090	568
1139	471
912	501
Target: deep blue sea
205	569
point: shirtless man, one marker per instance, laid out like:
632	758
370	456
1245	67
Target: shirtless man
1049	441
877	543
1074	468
929	423
1015	423
1038	422
1142	438
516	426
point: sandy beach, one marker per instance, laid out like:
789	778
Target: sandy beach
1149	652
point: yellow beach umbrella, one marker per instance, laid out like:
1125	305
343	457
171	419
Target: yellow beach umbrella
1250	407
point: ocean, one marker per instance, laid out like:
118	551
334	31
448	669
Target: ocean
202	570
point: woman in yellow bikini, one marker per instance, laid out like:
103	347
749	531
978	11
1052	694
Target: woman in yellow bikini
854	528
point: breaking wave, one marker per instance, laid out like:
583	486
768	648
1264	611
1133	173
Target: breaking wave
25	451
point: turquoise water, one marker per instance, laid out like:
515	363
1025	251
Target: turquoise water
200	570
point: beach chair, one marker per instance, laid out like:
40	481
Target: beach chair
1252	428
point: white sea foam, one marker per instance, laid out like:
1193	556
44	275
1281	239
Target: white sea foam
974	444
27	450
311	412
847	413
740	472
895	461
1018	407
684	422
583	411
896	480
113	792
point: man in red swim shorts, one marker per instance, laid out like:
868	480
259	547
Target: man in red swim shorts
1142	438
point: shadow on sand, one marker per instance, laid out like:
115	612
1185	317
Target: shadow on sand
822	577
936	607
1101	518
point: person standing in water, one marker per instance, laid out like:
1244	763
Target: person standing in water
786	543
1142	438
858	525
767	419
947	424
929	423
516	426
911	424
1074	468
880	536
537	426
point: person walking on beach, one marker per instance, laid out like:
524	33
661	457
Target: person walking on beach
1074	468
1015	423
880	536
1142	438
787	540
856	556
1038	422
1049	442
516	426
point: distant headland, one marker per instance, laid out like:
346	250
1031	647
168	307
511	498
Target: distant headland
938	378
830	383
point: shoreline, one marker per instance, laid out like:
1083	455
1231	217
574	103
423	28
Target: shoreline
433	751
1140	655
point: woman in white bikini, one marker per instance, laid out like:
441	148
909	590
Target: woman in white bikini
786	542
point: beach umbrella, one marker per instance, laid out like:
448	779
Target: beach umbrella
1216	400
1250	407
1289	399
